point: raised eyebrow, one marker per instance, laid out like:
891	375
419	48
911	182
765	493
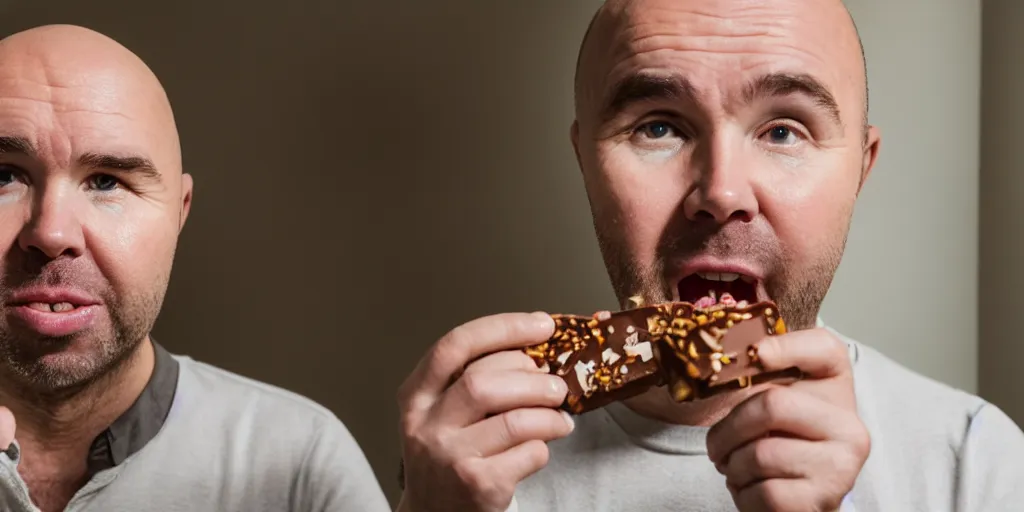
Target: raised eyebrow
17	145
129	164
785	84
643	87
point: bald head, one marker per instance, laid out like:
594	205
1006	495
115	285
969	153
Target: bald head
723	134
92	200
617	15
88	70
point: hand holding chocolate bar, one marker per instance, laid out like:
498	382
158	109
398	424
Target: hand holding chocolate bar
796	447
475	415
697	351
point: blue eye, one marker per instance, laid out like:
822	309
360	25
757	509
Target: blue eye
657	130
104	182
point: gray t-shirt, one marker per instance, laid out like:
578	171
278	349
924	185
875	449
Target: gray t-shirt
934	449
227	444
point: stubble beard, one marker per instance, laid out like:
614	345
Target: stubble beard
47	369
798	294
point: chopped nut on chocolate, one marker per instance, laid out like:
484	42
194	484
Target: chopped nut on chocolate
696	352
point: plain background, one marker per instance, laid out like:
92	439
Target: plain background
370	174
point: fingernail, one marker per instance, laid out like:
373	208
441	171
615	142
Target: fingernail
543	319
558	386
569	421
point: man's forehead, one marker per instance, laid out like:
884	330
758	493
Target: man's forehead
714	43
95	96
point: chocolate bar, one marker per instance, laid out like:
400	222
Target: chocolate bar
713	350
696	352
601	359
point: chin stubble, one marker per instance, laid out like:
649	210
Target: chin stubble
64	374
799	297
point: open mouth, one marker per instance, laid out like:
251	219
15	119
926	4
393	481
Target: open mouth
708	289
46	307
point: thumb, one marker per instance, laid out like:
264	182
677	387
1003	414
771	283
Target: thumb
6	428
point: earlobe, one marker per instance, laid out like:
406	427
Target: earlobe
186	200
872	143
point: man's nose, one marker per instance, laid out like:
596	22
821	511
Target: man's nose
54	228
722	189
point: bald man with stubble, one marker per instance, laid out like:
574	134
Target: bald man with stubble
92	199
723	144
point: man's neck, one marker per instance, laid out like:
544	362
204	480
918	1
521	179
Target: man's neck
55	435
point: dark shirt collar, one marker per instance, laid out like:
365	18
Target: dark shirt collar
141	422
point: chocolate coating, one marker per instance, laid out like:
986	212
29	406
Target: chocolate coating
697	353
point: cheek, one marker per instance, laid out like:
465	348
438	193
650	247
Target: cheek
131	247
634	197
812	219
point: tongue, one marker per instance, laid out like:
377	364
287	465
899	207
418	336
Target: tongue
709	301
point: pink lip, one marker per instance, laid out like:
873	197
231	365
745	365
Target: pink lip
53	296
55	324
707	264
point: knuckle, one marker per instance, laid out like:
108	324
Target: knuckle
485	489
514	424
408	426
476	387
862	442
452	348
468	474
406	395
837	350
424	442
763	454
773	495
523	361
539	454
775	402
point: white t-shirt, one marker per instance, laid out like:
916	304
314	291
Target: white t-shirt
934	449
228	444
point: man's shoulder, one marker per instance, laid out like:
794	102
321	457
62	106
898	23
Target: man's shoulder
253	445
251	411
889	384
929	438
205	382
897	402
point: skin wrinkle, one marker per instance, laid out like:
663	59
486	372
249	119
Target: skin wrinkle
647	194
83	101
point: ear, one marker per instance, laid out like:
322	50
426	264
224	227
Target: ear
186	200
574	135
871	145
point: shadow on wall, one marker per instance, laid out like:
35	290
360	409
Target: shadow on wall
368	175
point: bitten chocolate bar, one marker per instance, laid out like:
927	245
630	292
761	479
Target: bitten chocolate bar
713	349
696	352
602	359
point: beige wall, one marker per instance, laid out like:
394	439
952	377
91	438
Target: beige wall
370	174
1002	206
908	285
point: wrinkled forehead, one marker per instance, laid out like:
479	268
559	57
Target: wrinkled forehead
721	47
71	107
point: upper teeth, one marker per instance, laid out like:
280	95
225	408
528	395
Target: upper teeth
718	276
58	307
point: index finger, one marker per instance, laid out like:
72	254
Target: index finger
816	352
471	340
